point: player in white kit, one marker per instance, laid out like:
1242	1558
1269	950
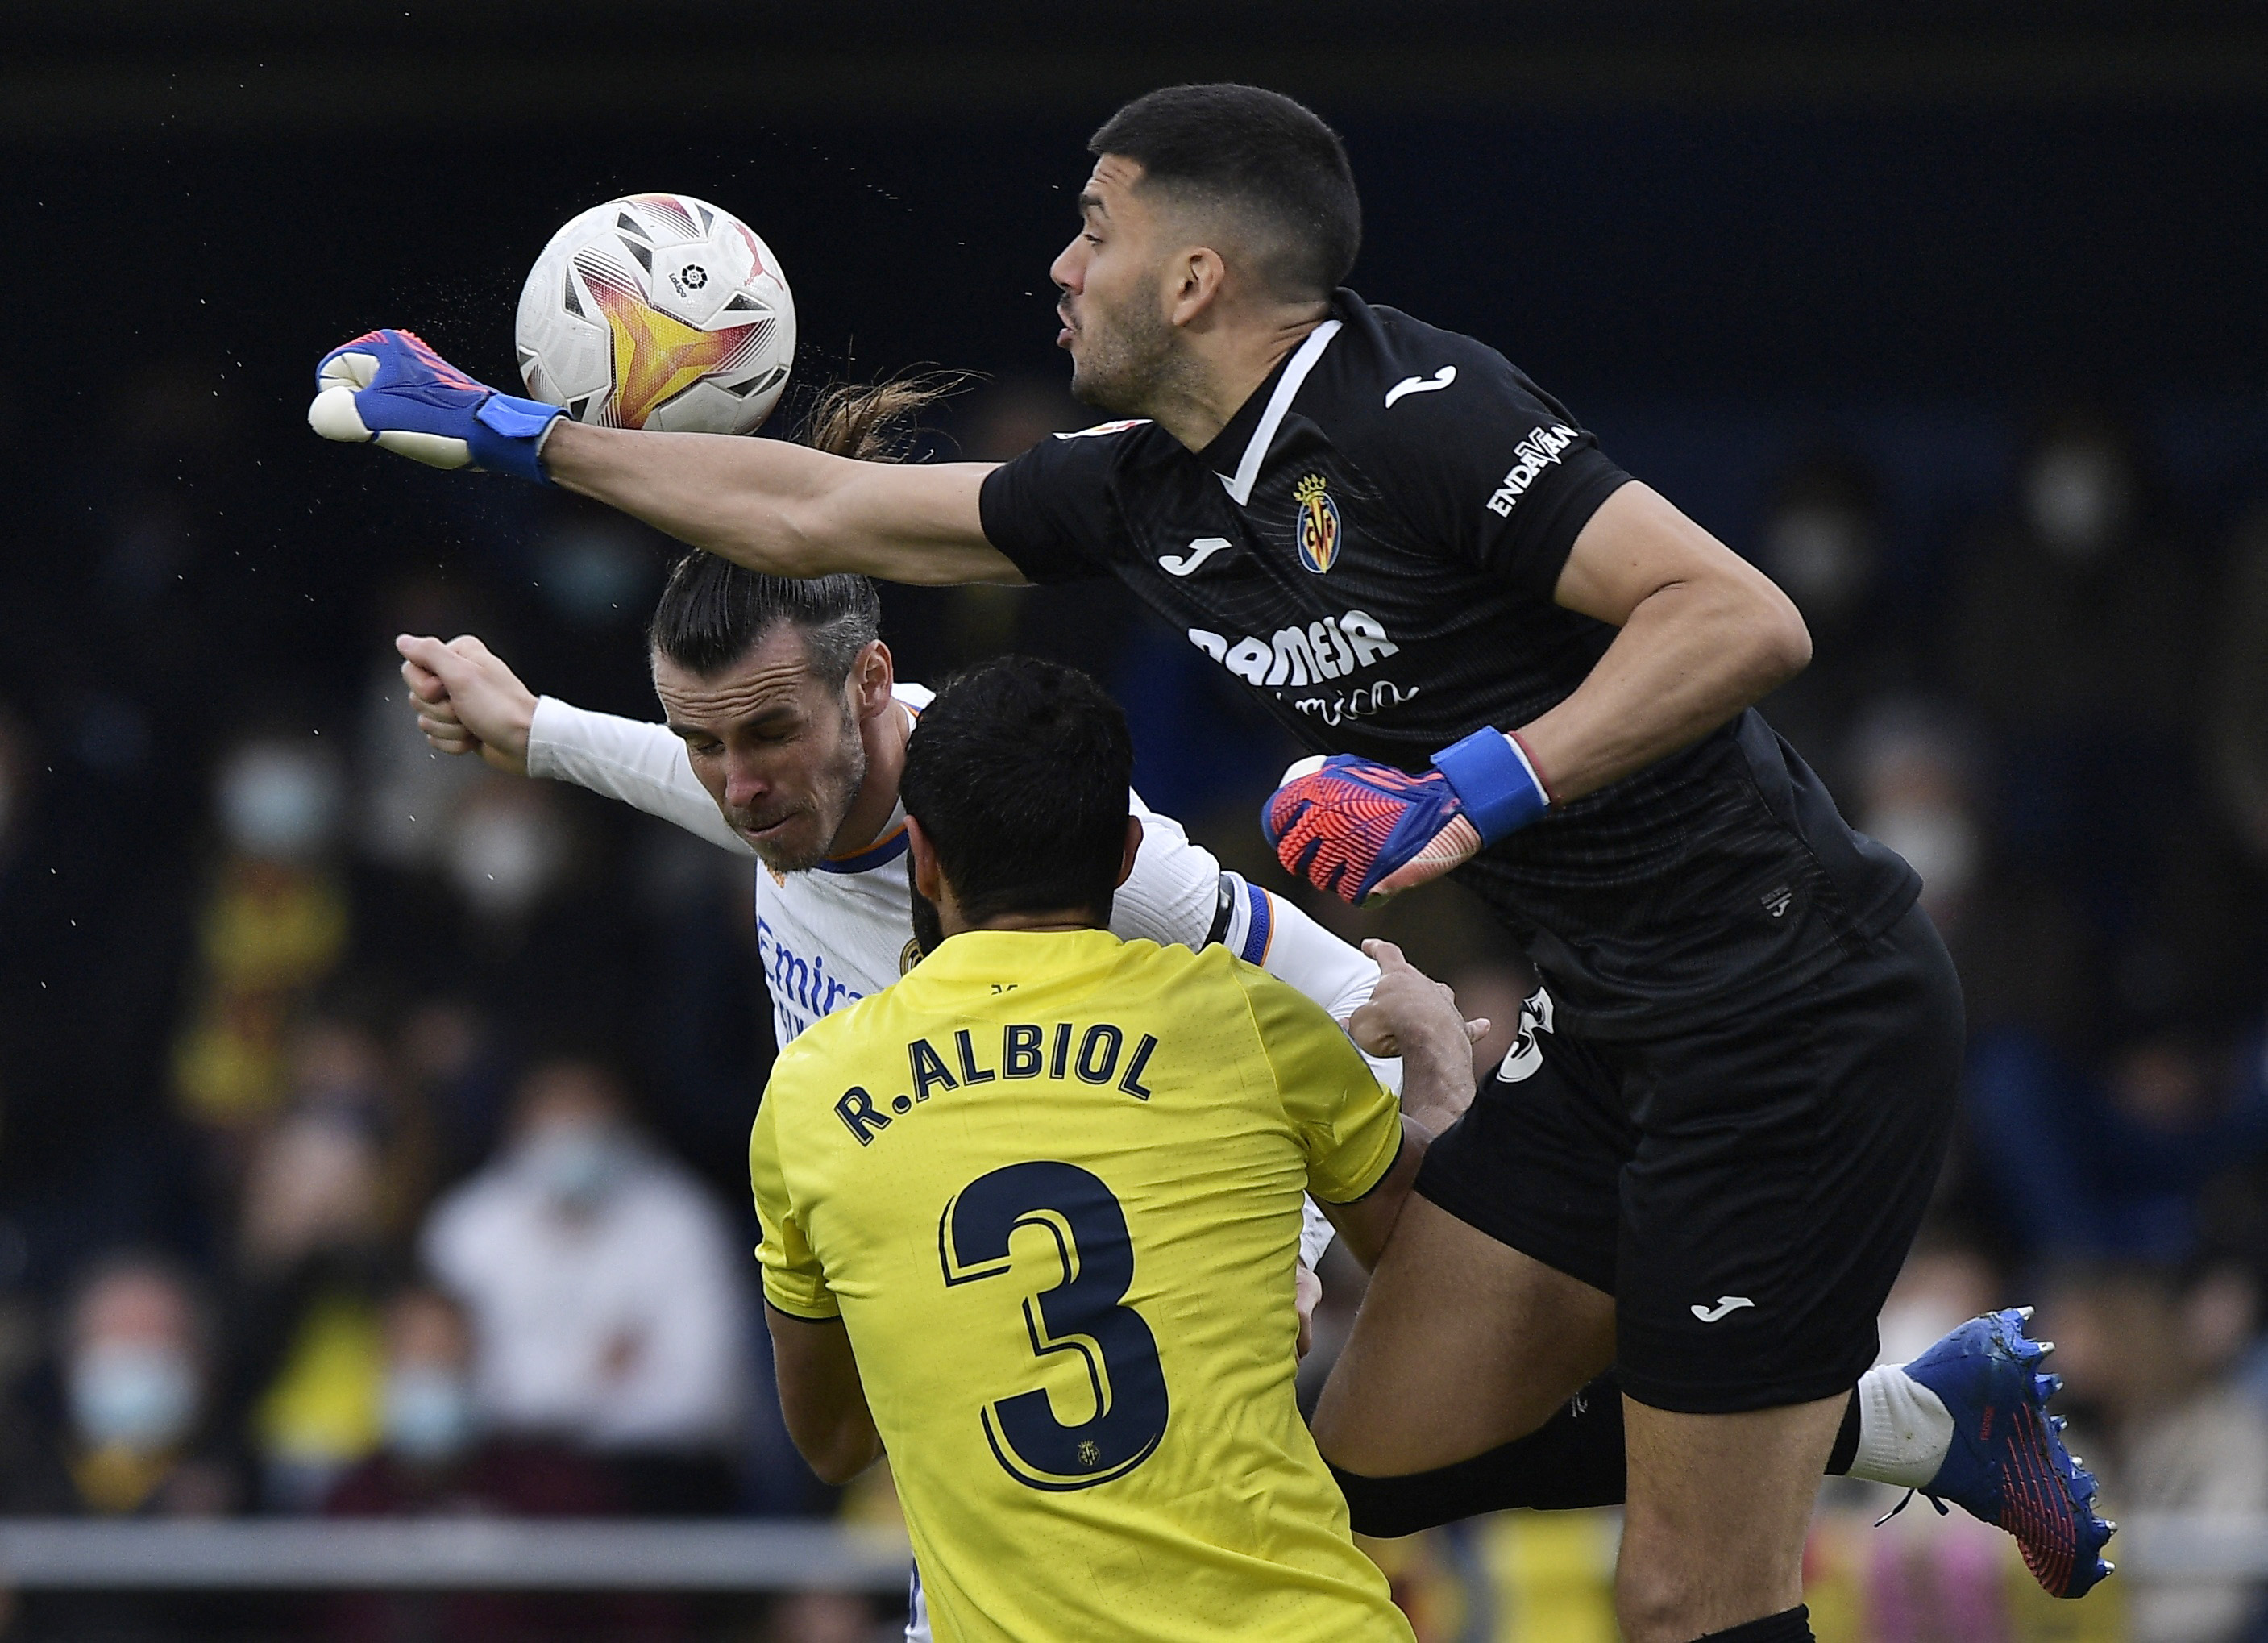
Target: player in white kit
785	735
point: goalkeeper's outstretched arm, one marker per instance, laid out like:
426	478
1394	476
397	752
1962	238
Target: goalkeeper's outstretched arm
760	503
786	508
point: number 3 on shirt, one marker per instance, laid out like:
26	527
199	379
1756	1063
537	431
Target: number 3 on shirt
1081	1315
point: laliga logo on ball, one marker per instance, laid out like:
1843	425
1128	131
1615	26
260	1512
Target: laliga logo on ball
657	311
1319	524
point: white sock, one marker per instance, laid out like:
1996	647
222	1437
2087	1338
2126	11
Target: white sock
1905	1429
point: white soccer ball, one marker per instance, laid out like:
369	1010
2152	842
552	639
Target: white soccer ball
657	311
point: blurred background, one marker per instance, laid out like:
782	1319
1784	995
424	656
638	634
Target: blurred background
373	1125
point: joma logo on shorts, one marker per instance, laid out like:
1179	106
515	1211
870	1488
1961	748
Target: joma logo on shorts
1531	456
1328	649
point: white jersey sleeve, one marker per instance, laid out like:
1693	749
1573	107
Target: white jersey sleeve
1174	893
643	765
1178	893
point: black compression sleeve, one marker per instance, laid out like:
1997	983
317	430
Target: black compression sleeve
1574	1459
1846	1439
1789	1626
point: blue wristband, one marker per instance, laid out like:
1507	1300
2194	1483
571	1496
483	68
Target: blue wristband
1492	780
506	433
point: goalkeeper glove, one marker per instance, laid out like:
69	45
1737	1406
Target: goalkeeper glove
389	388
1360	829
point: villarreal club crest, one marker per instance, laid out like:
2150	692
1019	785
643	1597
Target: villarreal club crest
1318	523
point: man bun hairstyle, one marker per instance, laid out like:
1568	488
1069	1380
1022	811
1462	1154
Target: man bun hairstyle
1263	155
712	611
1018	773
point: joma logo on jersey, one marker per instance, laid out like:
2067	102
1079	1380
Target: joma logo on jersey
1531	456
1318	523
1328	649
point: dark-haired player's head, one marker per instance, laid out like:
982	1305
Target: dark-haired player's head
1016	784
768	680
1208	205
773	681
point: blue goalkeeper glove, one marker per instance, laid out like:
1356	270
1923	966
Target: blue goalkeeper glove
390	389
1365	831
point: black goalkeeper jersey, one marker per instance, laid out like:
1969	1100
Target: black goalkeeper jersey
1372	545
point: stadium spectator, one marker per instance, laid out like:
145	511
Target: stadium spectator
2149	1362
2075	638
331	1196
2114	1163
2024	950
1912	791
273	925
435	1460
1821	542
457	1064
137	1374
607	1295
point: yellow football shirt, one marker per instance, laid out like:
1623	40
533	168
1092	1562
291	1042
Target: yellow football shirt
1050	1182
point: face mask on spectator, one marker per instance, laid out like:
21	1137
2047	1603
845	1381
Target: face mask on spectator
1938	842
278	803
1822	555
576	1166
502	859
2075	498
429	1413
142	1397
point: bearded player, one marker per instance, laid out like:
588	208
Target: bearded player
1704	1164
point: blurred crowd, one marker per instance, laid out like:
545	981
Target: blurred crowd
372	1123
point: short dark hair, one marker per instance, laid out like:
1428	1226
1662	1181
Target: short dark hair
1018	773
1259	153
713	611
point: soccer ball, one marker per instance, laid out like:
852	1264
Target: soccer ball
657	311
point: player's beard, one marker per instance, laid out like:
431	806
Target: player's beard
834	791
1125	358
929	928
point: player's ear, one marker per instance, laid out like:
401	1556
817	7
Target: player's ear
1126	860
873	675
928	877
1197	274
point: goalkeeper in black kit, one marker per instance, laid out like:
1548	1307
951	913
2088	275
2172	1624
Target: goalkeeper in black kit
1645	1266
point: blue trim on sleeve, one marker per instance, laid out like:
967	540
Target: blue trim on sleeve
1258	927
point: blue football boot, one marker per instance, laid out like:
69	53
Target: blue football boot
2007	1463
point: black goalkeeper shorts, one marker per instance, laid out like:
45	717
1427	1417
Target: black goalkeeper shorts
1746	1192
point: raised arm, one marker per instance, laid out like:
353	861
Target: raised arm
784	508
762	503
468	701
